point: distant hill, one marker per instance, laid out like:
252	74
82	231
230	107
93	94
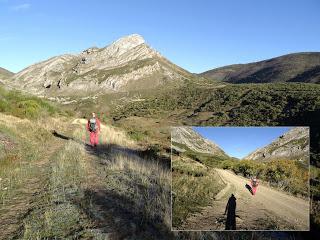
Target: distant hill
292	145
5	74
296	67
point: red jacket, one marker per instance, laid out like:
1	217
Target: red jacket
97	122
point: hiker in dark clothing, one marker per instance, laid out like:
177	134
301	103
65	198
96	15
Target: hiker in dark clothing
231	213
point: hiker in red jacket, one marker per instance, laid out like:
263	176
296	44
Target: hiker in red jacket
93	126
254	185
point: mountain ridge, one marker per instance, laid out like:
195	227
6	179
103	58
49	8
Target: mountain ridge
294	67
293	144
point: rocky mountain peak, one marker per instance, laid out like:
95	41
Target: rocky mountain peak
124	44
129	41
126	64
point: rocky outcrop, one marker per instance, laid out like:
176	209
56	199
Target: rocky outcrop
194	141
128	63
292	145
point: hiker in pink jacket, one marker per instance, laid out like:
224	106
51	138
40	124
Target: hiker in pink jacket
93	126
254	185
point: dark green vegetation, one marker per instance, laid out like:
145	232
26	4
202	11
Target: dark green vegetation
297	67
247	104
25	106
288	175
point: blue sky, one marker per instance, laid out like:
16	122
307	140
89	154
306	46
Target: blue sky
197	35
240	141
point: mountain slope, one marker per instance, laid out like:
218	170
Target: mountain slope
294	144
127	64
5	74
297	67
194	141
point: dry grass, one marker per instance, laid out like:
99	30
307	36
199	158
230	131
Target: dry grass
18	162
59	217
155	182
194	185
188	166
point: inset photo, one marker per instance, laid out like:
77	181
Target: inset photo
240	178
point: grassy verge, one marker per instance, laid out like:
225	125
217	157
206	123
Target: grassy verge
193	186
58	215
20	151
142	189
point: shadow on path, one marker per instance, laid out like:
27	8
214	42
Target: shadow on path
249	188
120	217
231	213
105	152
58	135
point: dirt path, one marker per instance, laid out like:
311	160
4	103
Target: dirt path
268	209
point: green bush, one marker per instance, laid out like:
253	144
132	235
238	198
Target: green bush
29	108
25	106
3	106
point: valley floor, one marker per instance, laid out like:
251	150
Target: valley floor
269	209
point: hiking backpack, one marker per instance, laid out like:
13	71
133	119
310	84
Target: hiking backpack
254	183
92	125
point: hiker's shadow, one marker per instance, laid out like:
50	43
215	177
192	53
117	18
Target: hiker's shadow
249	188
109	150
58	135
231	213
